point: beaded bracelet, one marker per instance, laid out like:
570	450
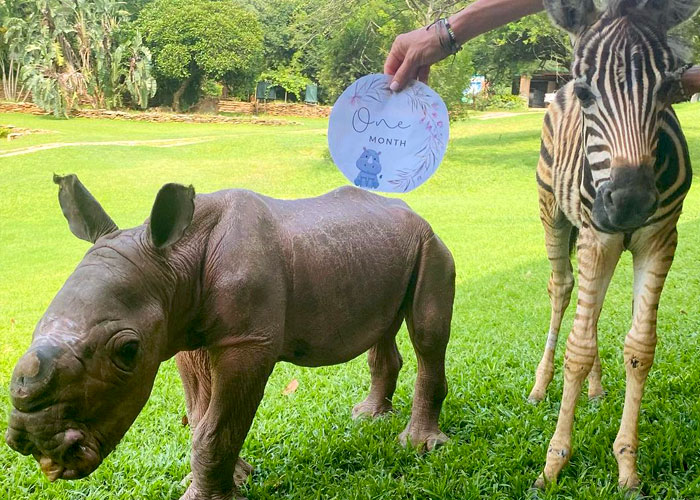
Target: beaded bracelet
446	36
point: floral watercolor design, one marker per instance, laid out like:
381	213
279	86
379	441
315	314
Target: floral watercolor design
374	89
432	148
427	104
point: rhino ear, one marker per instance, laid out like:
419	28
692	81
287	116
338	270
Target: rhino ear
86	217
171	214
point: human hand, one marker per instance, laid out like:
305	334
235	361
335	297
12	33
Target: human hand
411	56
691	81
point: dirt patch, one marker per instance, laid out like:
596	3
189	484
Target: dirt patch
156	143
274	108
148	116
494	115
11	132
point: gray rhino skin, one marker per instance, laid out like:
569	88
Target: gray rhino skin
230	283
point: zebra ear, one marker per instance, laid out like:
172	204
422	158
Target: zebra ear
573	16
669	13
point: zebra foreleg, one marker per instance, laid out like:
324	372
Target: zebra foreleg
598	255
595	386
561	282
651	265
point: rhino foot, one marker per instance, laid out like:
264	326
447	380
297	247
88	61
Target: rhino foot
241	472
193	493
372	409
240	476
422	440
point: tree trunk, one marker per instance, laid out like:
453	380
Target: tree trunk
178	95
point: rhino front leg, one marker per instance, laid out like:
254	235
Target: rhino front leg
195	373
238	378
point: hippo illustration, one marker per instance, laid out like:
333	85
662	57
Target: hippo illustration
370	167
229	283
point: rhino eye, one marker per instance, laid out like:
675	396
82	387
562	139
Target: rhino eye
126	349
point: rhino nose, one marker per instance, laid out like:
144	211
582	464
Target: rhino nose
33	378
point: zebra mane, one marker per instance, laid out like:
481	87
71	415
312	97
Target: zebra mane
668	13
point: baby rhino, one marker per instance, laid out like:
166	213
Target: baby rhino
230	283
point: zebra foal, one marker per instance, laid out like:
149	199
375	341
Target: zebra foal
614	167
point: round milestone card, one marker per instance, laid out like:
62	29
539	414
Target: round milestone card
388	141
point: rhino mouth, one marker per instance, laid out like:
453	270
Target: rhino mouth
77	467
69	454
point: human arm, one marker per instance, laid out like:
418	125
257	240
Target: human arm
413	53
691	81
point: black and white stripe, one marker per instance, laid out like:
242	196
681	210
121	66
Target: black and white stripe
616	112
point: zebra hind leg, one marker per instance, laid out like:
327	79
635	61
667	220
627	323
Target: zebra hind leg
558	233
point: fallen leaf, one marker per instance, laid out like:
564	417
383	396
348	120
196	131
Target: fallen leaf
291	387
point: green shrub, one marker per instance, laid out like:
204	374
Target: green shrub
504	102
211	88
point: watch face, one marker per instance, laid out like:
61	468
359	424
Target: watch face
388	141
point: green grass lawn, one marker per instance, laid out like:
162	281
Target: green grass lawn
483	204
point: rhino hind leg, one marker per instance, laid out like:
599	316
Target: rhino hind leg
428	318
385	363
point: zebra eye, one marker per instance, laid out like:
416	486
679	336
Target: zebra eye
583	92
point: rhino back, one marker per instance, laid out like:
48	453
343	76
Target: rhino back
351	256
330	273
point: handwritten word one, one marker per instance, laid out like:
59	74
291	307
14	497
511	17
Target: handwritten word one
362	120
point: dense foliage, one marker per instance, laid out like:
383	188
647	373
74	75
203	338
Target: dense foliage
224	47
76	51
196	40
530	45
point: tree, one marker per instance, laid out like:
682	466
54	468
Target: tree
688	34
338	41
277	18
525	46
452	76
360	45
288	77
76	50
10	67
425	12
194	40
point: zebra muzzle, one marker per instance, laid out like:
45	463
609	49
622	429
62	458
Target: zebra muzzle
626	201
